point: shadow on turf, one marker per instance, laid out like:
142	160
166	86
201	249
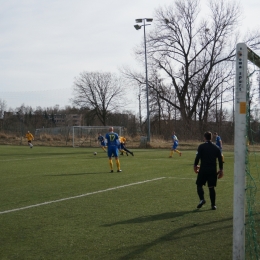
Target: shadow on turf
150	218
178	234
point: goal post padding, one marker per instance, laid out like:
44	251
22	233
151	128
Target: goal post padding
87	135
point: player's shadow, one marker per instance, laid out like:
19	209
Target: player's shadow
177	234
150	218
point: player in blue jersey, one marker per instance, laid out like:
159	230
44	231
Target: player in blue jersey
174	145
112	148
102	142
219	144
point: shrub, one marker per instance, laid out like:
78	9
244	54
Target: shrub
3	136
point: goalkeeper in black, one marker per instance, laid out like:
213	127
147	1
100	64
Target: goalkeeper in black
208	154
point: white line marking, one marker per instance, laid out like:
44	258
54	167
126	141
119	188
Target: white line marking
182	178
79	196
34	158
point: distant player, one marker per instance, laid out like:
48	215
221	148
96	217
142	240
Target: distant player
30	138
219	144
102	142
112	148
174	145
122	147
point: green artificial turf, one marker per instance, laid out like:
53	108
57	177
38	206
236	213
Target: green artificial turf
63	203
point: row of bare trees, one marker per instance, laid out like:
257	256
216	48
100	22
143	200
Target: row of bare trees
191	55
191	52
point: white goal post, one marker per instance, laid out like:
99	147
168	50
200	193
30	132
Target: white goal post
243	55
83	134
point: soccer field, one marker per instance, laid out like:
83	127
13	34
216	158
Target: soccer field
63	203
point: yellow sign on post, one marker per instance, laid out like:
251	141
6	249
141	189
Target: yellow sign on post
242	107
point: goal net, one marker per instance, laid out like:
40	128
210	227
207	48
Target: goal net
87	135
246	209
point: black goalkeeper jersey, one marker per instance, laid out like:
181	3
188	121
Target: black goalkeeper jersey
207	154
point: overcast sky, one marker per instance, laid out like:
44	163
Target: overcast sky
45	44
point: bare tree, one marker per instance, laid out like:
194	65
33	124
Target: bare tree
3	107
100	92
194	52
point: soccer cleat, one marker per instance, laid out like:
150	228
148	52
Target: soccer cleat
111	171
119	170
132	154
202	202
180	154
213	207
170	156
126	154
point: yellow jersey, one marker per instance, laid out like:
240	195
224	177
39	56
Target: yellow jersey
122	139
29	136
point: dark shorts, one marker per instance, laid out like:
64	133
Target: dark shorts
103	143
209	177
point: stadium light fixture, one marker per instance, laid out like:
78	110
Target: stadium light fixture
137	27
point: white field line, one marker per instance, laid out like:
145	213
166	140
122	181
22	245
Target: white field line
79	196
178	178
34	158
183	178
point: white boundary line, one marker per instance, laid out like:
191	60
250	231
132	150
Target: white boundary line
34	158
79	196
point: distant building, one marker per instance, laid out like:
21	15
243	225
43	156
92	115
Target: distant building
8	114
59	119
74	119
66	119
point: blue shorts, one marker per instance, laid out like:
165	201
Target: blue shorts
175	145
112	150
103	143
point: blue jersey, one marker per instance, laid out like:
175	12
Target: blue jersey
175	142
101	139
175	139
112	144
112	139
218	139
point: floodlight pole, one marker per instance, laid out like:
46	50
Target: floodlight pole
137	27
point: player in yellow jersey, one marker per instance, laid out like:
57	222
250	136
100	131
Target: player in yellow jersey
29	137
175	145
122	147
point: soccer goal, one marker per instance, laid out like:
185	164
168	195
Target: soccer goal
246	207
87	135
